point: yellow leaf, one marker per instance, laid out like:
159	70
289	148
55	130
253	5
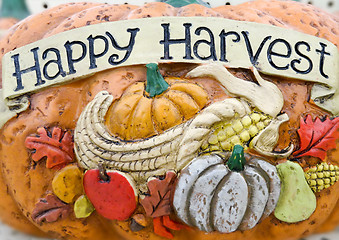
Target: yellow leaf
67	183
83	208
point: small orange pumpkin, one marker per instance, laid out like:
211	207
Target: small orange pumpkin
140	113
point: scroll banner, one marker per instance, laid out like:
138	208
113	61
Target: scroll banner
78	53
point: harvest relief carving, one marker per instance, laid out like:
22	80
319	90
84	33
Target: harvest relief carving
77	55
234	44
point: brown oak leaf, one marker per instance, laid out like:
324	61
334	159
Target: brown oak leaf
50	209
58	148
317	137
158	204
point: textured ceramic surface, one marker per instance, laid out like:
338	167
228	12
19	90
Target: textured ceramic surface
7	233
40	5
266	110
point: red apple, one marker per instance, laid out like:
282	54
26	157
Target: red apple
114	198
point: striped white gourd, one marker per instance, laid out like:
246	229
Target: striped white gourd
214	196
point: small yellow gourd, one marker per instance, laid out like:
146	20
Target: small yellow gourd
67	183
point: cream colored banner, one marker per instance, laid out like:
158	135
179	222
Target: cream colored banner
84	51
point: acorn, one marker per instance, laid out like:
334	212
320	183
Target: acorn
138	222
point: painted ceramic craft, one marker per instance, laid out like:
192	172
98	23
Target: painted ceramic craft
171	120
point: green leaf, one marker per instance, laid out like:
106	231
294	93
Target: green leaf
83	208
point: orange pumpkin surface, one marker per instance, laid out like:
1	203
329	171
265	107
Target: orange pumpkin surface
136	116
23	182
6	23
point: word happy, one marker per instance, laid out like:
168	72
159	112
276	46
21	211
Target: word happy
73	55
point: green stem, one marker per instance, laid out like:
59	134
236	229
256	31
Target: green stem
156	84
182	3
237	160
14	8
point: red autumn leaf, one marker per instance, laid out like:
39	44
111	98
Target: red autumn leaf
163	224
58	148
158	204
160	229
50	209
317	137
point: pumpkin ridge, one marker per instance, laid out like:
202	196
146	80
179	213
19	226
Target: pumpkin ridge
246	225
232	175
136	126
112	124
130	118
134	89
218	189
262	173
80	18
130	129
176	100
154	113
190	191
176	106
190	91
152	9
157	128
60	27
202	217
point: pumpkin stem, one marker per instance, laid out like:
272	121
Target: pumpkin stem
237	160
14	8
182	3
156	84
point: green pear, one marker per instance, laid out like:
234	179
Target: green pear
83	207
297	201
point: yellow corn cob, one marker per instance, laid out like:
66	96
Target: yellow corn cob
237	131
322	176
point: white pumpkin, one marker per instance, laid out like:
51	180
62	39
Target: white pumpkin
214	196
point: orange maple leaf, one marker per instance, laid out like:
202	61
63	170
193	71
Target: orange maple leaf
58	148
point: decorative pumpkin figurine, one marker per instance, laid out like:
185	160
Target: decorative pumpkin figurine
142	111
171	120
217	197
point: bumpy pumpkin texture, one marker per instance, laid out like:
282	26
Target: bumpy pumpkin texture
24	182
6	23
136	116
210	190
